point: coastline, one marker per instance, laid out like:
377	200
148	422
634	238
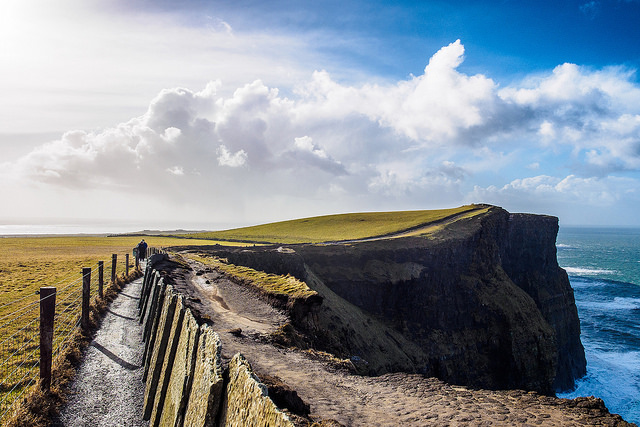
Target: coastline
603	263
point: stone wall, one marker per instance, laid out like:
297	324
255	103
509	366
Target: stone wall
185	380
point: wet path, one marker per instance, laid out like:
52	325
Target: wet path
108	390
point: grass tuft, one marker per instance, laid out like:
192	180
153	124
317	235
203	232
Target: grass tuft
271	284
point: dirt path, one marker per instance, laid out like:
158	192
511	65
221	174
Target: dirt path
108	390
388	400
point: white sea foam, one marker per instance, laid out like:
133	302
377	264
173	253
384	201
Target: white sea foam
582	271
562	245
612	376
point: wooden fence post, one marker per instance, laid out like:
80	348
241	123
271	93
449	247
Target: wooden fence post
126	258
100	278
86	294
114	261
47	312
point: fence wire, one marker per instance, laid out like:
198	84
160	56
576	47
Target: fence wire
20	332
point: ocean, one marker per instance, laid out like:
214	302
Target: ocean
604	270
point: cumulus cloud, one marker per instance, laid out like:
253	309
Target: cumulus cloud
595	199
422	141
226	158
433	108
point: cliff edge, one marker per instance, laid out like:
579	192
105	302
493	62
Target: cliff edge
479	301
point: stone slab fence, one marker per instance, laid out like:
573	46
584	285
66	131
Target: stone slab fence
186	384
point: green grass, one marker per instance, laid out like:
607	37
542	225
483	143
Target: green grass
271	284
28	263
337	227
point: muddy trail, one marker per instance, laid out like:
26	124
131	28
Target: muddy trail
243	322
108	388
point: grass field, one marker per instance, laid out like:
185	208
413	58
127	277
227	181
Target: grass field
28	263
337	227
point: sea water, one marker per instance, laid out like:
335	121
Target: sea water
604	270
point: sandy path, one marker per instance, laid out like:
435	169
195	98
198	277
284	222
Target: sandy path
108	390
388	400
230	304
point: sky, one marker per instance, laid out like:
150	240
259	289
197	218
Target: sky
212	114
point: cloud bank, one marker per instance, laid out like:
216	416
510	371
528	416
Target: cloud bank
570	136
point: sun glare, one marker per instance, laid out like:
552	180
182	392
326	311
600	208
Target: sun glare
21	27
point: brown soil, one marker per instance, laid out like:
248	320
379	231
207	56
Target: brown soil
352	400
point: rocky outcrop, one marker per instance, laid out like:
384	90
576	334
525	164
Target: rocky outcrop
483	300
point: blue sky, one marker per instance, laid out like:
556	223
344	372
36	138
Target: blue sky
504	37
287	109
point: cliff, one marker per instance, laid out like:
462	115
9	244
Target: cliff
480	302
528	256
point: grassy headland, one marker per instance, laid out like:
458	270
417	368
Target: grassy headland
331	228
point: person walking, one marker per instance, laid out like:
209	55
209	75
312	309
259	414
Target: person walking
142	250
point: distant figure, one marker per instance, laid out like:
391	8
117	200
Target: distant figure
142	250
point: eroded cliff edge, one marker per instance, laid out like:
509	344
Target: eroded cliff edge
481	302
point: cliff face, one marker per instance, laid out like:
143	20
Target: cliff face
482	302
529	257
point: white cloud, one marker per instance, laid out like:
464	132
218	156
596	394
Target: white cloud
546	130
85	63
590	9
433	108
417	142
306	144
233	160
176	170
549	191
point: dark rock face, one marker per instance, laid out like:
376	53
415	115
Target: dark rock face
529	258
453	298
484	299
